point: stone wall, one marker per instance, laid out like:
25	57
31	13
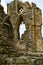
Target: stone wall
32	17
29	49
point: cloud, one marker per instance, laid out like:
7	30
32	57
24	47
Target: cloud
4	4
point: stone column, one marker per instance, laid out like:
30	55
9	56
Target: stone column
16	4
37	27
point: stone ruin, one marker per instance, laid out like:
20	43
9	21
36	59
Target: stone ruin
29	49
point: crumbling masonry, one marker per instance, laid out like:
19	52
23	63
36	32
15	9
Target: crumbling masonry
29	49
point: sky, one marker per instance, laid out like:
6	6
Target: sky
39	3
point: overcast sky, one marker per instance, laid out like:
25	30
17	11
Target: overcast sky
39	3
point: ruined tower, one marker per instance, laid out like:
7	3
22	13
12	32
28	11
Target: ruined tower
29	49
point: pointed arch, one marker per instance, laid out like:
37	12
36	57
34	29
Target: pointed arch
8	28
26	21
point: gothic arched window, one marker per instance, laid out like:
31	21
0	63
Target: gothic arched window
8	29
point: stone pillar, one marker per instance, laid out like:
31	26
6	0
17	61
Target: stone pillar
37	27
16	4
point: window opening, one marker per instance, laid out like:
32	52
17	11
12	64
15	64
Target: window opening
22	29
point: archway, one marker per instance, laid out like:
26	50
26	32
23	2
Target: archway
22	18
21	26
8	29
